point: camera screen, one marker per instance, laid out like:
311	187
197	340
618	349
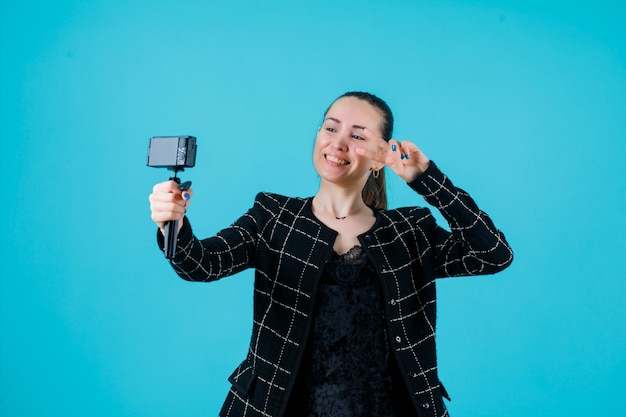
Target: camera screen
162	152
172	151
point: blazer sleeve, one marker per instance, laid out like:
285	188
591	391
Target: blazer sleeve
230	251
473	246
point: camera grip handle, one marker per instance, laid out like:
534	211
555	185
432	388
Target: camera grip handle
171	227
171	236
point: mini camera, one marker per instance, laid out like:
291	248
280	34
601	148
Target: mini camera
172	152
175	153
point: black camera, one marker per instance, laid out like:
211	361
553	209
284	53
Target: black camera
172	152
175	153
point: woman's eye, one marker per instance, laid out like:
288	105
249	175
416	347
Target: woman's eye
358	137
330	129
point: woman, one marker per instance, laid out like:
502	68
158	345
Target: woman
344	292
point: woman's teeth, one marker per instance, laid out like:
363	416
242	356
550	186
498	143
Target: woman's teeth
336	160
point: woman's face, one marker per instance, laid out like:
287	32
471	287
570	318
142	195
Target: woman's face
334	156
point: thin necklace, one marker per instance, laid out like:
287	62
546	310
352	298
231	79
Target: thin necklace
343	217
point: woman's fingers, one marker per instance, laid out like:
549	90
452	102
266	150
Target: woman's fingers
374	147
417	158
406	159
396	155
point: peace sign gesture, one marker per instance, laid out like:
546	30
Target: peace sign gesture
405	159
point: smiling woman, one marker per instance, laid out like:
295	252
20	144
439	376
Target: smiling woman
374	192
345	307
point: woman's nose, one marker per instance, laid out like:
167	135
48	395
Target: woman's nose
340	142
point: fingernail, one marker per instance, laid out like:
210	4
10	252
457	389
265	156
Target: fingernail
401	156
186	196
406	156
393	148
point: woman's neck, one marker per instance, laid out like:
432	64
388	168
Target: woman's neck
338	203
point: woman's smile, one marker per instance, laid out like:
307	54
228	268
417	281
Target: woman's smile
336	160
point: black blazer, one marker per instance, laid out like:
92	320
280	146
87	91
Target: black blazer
288	247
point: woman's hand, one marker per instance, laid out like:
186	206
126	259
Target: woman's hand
168	202
405	159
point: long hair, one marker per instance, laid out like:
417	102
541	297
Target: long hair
374	192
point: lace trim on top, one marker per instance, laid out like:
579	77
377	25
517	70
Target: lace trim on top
345	268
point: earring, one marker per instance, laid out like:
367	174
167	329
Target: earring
376	173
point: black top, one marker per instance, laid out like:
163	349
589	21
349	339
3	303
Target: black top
347	369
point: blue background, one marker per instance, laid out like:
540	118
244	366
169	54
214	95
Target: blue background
522	103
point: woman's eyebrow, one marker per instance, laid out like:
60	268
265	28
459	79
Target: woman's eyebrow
339	121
